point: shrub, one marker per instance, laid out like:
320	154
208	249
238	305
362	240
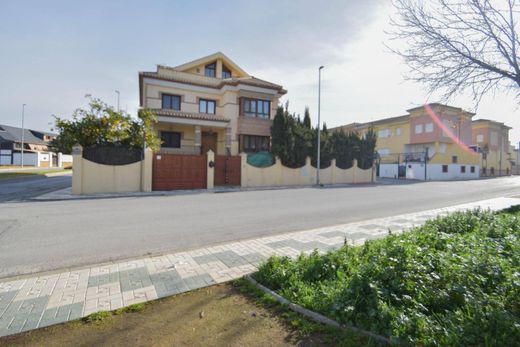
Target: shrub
453	281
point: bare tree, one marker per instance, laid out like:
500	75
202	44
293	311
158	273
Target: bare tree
453	46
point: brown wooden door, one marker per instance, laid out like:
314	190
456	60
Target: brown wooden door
209	141
177	171
227	170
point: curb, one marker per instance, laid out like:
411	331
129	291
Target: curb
316	316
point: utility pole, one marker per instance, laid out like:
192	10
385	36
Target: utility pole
23	132
118	95
318	161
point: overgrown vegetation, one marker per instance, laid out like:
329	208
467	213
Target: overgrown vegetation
293	140
101	125
453	281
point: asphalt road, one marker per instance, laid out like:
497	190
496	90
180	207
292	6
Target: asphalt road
41	236
23	188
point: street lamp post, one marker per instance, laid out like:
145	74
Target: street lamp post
23	132
118	95
318	161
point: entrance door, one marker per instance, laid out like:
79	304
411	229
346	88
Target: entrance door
209	141
227	170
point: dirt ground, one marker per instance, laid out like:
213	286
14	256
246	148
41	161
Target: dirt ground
215	316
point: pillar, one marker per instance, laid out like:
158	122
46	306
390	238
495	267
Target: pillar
210	167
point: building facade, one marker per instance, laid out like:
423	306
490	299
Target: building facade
209	103
492	138
437	142
36	151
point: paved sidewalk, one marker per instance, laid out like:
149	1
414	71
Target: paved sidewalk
42	300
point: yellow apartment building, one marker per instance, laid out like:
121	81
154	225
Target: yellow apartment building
446	135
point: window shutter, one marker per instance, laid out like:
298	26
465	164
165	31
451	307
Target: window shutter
240	106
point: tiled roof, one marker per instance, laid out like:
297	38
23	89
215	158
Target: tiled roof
14	134
188	115
183	77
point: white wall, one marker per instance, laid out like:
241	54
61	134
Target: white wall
388	170
29	159
5	157
435	172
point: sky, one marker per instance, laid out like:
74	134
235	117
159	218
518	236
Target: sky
53	53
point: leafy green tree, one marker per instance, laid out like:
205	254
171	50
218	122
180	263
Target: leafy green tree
307	118
367	149
281	135
101	125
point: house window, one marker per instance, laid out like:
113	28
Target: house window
428	128
255	143
171	102
454	159
226	73
483	170
472	169
170	139
398	132
207	106
419	129
445	168
480	138
210	70
463	169
256	108
492	171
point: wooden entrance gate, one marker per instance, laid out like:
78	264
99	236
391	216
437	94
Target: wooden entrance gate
227	170
177	171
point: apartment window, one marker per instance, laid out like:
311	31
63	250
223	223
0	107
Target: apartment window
226	73
483	170
255	143
480	138
472	169
463	169
171	102
170	139
492	171
256	108
398	132
428	128
210	70
454	159
207	106
383	133
418	129
445	168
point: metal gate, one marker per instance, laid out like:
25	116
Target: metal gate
227	170
177	171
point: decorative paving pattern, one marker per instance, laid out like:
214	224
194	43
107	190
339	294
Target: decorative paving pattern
48	299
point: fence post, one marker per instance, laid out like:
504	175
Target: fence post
146	170
77	169
354	170
333	173
210	170
243	170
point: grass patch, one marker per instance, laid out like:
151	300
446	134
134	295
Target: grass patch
97	317
453	281
19	174
303	326
131	308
